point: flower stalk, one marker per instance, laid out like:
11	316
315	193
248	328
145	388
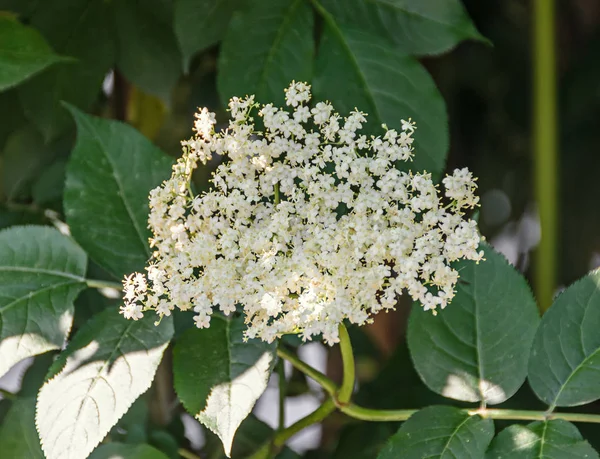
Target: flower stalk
345	393
327	384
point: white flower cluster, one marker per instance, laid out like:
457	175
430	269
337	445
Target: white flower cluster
309	222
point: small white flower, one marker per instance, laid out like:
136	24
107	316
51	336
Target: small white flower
204	123
132	311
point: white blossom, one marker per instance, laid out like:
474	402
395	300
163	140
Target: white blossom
308	223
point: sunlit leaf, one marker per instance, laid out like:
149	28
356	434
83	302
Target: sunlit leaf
109	363
219	377
41	273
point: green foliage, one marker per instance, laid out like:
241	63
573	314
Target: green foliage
222	388
440	432
381	81
211	17
110	173
41	273
362	441
18	437
24	156
49	184
112	450
477	350
418	28
23	53
281	50
249	443
108	364
82	30
565	358
556	439
147	54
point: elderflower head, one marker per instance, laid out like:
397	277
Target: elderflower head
308	222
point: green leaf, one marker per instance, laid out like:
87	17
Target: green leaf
148	53
122	450
23	53
442	432
35	376
74	28
202	23
166	442
279	49
415	27
11	217
362	440
137	415
49	187
556	439
41	273
18	438
222	388
23	8
24	156
11	115
110	173
565	358
252	438
477	348
109	363
384	83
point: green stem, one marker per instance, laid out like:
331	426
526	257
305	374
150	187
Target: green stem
264	452
7	394
187	454
97	283
545	164
282	393
368	414
277	198
526	415
162	391
326	383
345	393
315	417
